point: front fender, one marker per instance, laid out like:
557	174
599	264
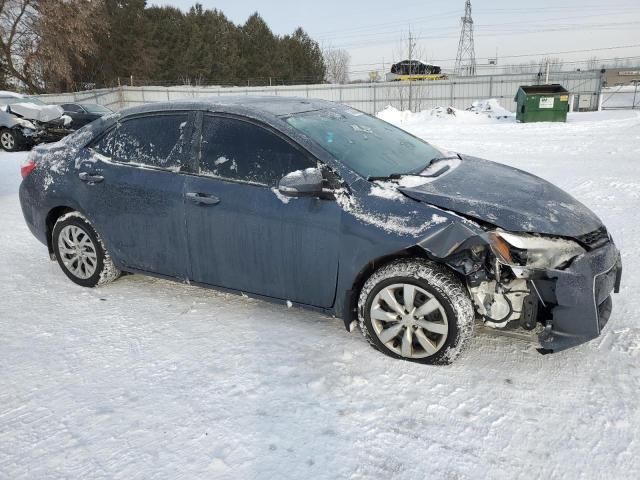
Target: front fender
7	120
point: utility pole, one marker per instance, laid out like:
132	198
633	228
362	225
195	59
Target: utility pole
466	58
411	47
546	75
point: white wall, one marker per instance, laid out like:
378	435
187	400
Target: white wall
457	92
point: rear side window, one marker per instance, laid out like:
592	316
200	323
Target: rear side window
69	107
156	141
239	150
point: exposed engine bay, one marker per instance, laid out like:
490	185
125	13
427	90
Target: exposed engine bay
499	303
559	288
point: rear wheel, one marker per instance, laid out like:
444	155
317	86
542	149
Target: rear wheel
81	253
416	310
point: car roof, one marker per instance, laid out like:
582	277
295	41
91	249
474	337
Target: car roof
82	104
5	93
257	106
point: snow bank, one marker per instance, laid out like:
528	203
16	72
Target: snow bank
490	108
485	111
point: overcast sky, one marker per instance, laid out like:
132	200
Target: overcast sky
372	30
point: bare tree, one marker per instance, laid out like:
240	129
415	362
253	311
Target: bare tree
17	36
337	65
592	63
412	93
42	40
555	64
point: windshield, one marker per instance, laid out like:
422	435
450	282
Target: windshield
12	100
367	145
34	100
94	108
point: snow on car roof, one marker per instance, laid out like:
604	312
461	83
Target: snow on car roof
257	105
6	93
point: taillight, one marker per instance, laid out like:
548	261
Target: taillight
27	166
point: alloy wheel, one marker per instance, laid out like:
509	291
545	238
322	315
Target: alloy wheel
409	320
77	251
7	141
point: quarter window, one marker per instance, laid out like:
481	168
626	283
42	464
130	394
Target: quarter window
239	150
104	145
69	107
156	141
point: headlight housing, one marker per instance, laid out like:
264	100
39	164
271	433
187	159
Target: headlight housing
25	123
525	250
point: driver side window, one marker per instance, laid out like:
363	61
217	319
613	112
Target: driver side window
238	150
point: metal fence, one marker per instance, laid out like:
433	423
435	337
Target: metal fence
457	92
621	97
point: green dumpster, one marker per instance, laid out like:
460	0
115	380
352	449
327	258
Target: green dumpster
542	103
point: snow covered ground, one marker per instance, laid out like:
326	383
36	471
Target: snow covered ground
151	379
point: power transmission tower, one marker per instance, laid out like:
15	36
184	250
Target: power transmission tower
466	58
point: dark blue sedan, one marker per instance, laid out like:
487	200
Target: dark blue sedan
318	204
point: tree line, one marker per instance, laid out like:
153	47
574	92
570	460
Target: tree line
65	45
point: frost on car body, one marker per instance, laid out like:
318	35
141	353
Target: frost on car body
284	199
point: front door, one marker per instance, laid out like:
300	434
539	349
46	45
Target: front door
242	233
132	188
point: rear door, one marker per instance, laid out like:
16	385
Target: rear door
133	191
242	233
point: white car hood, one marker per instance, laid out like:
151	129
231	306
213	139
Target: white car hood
40	113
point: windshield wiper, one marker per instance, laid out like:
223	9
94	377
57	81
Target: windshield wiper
391	176
440	159
417	171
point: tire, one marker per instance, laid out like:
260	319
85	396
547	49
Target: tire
10	140
434	329
74	237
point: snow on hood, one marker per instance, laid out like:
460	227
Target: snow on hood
40	113
508	198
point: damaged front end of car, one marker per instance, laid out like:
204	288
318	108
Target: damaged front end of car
558	288
43	132
34	123
40	123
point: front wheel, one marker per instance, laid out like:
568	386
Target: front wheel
416	310
9	140
81	253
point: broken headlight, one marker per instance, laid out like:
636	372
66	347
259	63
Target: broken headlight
25	123
525	250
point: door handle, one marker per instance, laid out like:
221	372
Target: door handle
202	198
87	177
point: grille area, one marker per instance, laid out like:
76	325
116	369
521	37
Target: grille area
594	239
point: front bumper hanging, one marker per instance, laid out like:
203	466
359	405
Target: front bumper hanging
582	297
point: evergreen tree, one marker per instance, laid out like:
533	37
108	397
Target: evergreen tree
164	45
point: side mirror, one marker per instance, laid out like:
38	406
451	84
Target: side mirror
302	183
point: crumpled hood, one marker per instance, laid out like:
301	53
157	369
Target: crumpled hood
508	198
40	113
